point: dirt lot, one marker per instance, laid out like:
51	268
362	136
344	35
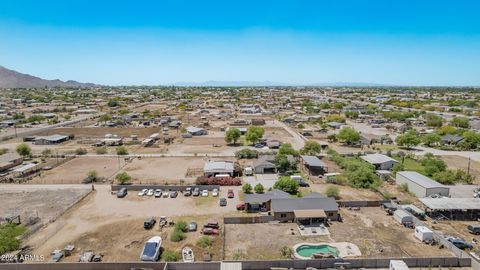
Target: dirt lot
113	227
46	202
375	233
347	192
74	171
99	132
458	162
457	229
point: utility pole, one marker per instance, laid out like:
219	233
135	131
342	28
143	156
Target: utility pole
468	167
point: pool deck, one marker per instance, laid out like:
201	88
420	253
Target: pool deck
313	231
345	249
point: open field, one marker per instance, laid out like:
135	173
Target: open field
347	192
75	170
375	233
459	162
46	202
113	227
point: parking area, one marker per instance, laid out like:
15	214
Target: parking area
267	180
113	226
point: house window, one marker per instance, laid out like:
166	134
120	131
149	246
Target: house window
330	214
283	215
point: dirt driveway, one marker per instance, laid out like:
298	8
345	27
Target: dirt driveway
97	216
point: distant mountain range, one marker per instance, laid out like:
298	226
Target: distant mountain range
269	83
12	79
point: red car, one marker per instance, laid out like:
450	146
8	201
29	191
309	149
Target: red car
230	194
241	206
209	231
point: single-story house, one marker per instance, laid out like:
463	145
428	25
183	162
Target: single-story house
266	164
381	162
420	185
52	139
213	168
313	208
10	160
314	165
451	139
195	131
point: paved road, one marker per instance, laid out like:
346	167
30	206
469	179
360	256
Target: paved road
467	154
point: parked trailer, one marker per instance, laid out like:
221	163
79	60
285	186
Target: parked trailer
423	234
403	217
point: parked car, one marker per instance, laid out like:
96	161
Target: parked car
240	206
150	192
212	224
474	228
230	194
196	192
165	194
223	202
215	192
143	192
188	192
302	183
259	145
204	193
122	192
151	250
209	231
149	222
173	194
192	226
461	244
158	193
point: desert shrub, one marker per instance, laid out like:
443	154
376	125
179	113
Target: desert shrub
182	226
333	191
246	153
101	151
123	178
170	256
286	252
204	242
259	188
177	235
121	151
81	151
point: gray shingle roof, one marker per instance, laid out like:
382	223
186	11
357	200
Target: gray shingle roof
313	161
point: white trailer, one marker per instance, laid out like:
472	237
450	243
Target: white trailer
423	233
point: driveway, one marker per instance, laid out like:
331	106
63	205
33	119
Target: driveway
267	180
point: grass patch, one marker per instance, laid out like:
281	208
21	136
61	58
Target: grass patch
411	164
9	237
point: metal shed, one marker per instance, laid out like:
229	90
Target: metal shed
421	185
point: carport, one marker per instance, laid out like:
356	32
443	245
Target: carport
452	208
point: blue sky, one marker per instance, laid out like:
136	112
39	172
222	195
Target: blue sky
403	42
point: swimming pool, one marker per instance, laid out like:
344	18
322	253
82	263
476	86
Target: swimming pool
307	250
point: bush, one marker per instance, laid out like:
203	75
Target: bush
287	184
80	151
333	191
170	256
92	176
46	152
24	150
221	181
204	242
247	188
9	234
246	153
286	252
259	188
123	178
121	151
101	151
177	235
182	226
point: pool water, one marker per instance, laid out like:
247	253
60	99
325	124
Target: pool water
308	250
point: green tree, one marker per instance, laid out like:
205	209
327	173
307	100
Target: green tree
286	149
408	139
24	150
444	130
254	134
105	118
123	178
114	102
287	184
431	139
363	177
348	135
460	122
282	162
433	120
259	188
232	135
247	188
121	151
311	148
